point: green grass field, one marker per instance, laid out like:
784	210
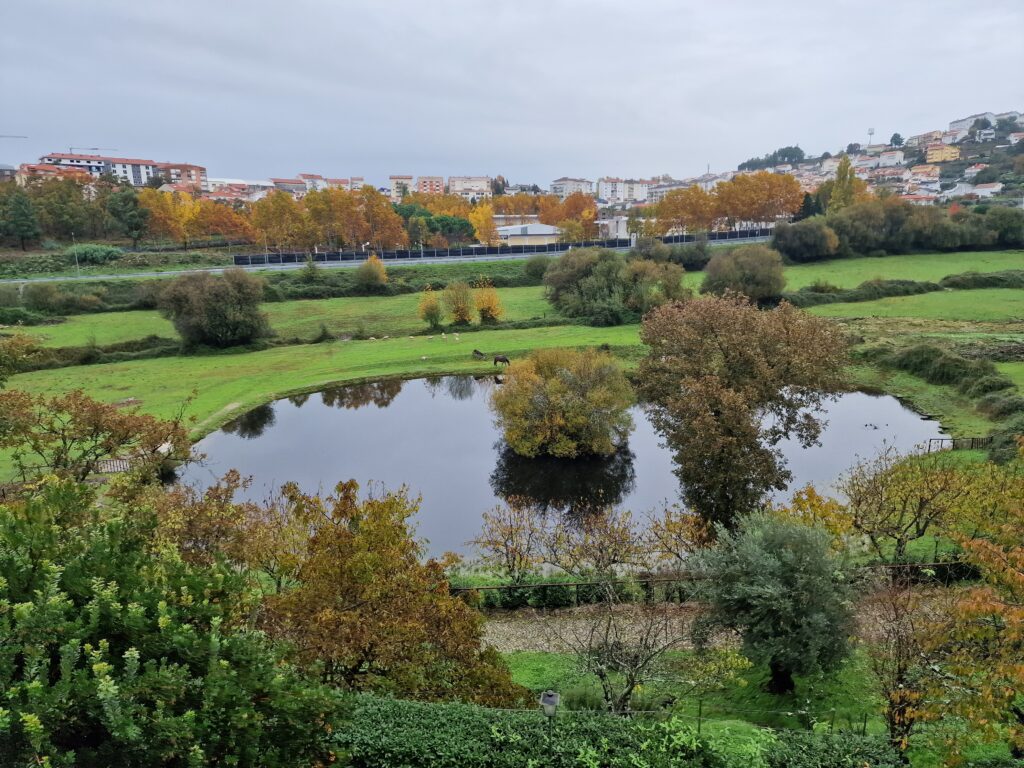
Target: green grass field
991	305
380	316
228	383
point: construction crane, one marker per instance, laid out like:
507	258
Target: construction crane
71	150
7	136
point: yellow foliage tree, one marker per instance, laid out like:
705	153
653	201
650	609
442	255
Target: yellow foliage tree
430	310
488	303
482	219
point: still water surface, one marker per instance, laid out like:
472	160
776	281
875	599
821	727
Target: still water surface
437	436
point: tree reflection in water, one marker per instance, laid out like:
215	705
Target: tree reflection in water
573	486
378	393
252	424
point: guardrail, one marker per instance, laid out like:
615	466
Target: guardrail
473	251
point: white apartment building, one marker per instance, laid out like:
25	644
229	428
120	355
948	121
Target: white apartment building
135	171
615	190
399	187
566	186
470	187
656	192
890	159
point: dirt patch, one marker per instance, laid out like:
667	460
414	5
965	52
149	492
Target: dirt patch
128	401
533	630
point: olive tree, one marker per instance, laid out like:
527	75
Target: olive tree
780	586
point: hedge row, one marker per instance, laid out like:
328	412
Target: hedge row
935	365
815	295
404	734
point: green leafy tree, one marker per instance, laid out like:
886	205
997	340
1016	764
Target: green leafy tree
807	240
753	270
20	221
123	206
844	187
116	653
564	403
896	140
217	310
780	586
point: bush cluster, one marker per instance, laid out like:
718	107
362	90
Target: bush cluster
816	294
939	366
92	253
457	735
566	594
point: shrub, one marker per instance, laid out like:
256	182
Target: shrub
869	290
809	749
651	248
93	253
808	240
371	274
564	403
939	366
1001	404
1004	446
536	266
430	310
488	304
1010	278
692	258
753	270
220	311
20	316
458	299
9	296
985	385
459	735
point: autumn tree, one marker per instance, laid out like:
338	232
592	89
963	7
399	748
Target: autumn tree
71	435
752	270
781	587
337	218
365	605
982	679
430	310
512	539
385	227
281	220
894	499
571	231
691	209
15	350
217	310
726	383
487	301
564	403
843	190
482	219
458	300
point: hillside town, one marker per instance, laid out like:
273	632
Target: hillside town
936	166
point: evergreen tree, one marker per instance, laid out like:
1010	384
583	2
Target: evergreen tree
896	140
20	219
133	219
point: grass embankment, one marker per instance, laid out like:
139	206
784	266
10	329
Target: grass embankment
377	315
989	305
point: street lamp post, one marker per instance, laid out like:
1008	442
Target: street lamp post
549	705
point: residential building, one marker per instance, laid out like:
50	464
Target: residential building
954	137
988	190
920	199
615	190
1011	115
924	139
966	122
314	181
941	153
974	170
507	219
430	185
28	171
399	187
1015	137
656	193
7	172
193	176
296	187
865	161
985	134
875	149
962	189
522	189
830	164
470	187
529	234
565	186
890	158
135	171
924	173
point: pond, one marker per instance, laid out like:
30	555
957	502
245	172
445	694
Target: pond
437	436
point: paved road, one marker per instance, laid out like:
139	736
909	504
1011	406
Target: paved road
325	265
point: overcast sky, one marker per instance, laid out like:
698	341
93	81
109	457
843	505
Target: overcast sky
532	89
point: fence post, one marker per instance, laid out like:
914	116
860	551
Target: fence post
700	713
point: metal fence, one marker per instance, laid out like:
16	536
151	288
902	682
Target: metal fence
958	443
473	251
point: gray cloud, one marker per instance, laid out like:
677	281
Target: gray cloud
532	89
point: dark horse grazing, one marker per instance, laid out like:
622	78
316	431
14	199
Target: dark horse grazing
501	359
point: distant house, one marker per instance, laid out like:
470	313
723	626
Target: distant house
430	185
7	172
919	199
923	139
528	234
1015	137
941	153
470	187
954	137
988	190
965	123
891	159
829	164
960	190
296	187
865	161
566	185
985	134
974	170
399	187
